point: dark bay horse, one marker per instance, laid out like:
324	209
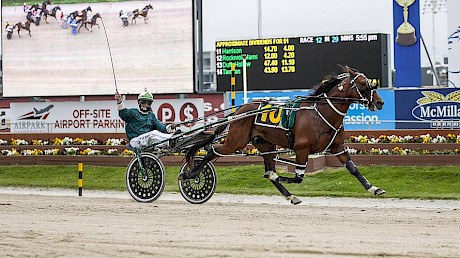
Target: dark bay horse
41	7
80	15
91	22
51	13
318	127
23	26
141	12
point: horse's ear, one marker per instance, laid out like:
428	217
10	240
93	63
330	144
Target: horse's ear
344	68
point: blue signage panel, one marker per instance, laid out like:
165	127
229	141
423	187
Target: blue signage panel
406	31
361	118
428	108
358	117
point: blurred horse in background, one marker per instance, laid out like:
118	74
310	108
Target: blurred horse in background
92	22
141	12
51	13
80	16
23	26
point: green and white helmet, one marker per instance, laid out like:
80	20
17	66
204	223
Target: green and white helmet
145	96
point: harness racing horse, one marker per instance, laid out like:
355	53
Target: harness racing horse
142	12
81	15
23	26
41	7
318	127
92	22
52	13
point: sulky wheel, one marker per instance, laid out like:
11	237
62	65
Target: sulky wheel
201	188
65	24
147	186
125	22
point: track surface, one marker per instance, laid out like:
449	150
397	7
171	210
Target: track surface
50	223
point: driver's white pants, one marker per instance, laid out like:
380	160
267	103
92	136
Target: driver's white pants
150	138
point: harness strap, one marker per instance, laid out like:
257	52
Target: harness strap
333	138
333	107
286	161
340	152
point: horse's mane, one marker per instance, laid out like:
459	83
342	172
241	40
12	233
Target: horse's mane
328	82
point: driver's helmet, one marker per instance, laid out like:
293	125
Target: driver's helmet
145	97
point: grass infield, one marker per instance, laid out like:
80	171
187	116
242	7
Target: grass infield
399	182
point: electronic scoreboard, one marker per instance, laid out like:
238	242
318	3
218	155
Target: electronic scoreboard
300	63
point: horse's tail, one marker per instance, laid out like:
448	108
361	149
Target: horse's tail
206	141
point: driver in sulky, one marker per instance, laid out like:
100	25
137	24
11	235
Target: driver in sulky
142	126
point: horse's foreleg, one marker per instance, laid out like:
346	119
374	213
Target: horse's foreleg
351	167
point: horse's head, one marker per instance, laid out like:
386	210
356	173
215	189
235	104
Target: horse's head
359	87
88	9
148	7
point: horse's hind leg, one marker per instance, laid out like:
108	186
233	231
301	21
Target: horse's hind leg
270	171
300	167
350	165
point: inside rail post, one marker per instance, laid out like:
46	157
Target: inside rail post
80	179
232	84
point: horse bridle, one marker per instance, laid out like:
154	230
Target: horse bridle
363	100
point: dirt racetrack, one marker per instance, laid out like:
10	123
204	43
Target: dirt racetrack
56	223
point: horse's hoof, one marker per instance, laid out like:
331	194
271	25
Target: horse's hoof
294	200
379	191
375	190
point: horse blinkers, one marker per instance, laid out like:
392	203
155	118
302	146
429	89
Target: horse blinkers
366	95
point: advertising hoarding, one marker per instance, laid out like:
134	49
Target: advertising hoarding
95	117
